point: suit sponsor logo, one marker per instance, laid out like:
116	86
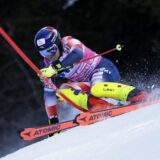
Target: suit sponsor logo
108	89
101	115
47	130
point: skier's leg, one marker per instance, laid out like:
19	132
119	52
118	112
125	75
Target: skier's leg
51	106
137	95
80	91
105	84
112	90
77	96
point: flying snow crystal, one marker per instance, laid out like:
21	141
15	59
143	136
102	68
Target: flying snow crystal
152	86
69	3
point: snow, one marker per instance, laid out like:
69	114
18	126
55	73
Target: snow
133	136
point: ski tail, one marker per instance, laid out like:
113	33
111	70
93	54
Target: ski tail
33	133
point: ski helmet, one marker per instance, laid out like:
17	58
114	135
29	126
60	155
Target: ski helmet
47	41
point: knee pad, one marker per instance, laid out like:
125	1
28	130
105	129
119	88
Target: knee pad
111	90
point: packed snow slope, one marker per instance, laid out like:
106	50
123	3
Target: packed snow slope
131	136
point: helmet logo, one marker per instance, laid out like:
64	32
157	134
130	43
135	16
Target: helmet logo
40	42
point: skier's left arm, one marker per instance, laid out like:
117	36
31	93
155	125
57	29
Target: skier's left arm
75	51
75	56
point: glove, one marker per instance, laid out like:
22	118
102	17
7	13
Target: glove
49	71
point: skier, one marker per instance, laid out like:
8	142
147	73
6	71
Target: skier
99	77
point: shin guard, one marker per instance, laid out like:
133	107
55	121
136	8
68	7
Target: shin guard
111	90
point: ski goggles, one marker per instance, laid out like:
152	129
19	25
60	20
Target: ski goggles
49	52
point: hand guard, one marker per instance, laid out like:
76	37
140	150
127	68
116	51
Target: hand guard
49	72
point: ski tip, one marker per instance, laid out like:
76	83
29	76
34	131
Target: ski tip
26	134
20	133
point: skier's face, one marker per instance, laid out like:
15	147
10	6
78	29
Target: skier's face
49	52
55	57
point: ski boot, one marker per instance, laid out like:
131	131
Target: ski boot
96	104
53	121
137	95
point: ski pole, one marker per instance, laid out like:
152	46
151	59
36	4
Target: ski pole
35	68
118	48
